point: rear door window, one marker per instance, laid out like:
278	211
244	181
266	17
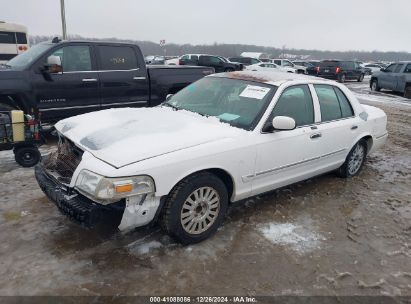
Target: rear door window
345	105
117	58
333	103
349	65
296	102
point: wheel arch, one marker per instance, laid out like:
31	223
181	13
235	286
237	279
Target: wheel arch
225	177
368	140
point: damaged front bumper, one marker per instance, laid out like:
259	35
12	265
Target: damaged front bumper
75	206
127	214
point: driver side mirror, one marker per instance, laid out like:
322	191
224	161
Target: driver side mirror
54	65
168	97
283	123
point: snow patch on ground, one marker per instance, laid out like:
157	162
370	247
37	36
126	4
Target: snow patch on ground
145	248
298	238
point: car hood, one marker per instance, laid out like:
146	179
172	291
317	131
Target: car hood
123	136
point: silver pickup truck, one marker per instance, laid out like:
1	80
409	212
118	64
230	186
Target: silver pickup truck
396	77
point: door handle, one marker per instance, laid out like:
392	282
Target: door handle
89	80
354	127
139	78
316	135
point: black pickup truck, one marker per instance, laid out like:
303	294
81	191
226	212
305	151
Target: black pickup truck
59	79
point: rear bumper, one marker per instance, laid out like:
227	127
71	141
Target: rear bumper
378	142
328	76
75	206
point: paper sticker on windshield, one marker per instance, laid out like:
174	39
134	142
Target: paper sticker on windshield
255	92
228	116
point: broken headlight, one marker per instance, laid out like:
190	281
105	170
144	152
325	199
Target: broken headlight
112	189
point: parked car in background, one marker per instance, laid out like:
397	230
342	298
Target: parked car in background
174	60
220	64
396	77
267	66
263	57
374	67
285	63
221	140
155	60
65	78
340	70
13	41
244	60
310	66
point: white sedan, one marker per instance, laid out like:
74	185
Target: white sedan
222	139
267	66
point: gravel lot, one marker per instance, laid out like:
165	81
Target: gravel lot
324	236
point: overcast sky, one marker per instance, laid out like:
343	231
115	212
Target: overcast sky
308	24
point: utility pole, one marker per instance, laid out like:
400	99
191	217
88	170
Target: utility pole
63	19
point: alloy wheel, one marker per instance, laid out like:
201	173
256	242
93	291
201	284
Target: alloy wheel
356	159
200	210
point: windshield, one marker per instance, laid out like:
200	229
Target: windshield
240	103
29	56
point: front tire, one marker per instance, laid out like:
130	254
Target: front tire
374	85
354	161
195	208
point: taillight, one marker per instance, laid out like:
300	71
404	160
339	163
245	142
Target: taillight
22	48
180	62
317	69
337	70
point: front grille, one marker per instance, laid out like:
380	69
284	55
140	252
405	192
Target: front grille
65	160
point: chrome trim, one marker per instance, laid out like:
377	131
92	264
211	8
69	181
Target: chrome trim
139	78
124	103
98	105
97	71
67	108
253	176
89	80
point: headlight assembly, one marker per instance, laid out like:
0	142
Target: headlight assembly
112	189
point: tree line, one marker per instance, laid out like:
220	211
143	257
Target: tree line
231	50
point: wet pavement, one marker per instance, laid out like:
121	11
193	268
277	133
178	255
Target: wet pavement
324	236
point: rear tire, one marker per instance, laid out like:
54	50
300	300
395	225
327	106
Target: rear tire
407	92
195	208
354	161
342	78
27	156
361	78
374	85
